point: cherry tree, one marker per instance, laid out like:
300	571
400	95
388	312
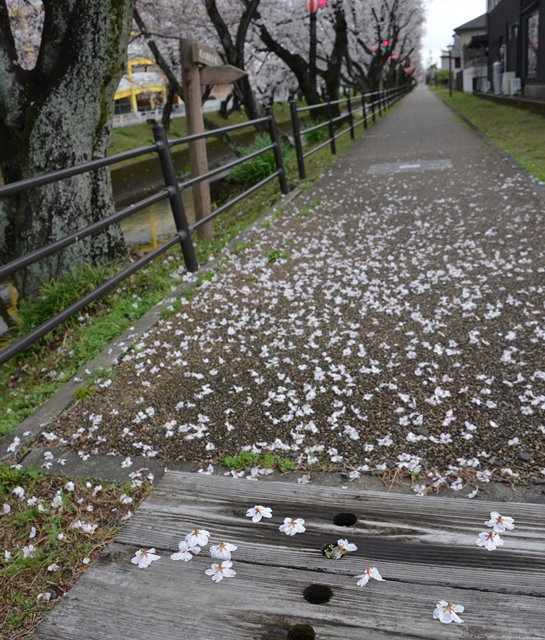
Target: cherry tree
60	65
384	42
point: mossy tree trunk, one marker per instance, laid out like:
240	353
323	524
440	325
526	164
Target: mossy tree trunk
57	115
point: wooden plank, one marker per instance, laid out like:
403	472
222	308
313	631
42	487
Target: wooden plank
226	74
203	54
424	547
175	600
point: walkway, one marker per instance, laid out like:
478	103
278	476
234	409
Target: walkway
391	319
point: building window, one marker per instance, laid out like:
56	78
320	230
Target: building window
532	39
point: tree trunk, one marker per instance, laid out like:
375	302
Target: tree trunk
57	115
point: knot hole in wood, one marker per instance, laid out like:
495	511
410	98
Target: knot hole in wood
345	519
301	632
317	594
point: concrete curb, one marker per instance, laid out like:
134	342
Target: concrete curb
529	178
104	468
51	408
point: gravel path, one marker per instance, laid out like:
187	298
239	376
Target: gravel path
402	333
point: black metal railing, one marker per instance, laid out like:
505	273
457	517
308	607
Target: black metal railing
368	105
377	100
172	192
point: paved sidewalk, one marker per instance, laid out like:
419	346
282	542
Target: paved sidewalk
391	320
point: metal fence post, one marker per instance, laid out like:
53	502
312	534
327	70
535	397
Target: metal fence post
175	198
330	127
380	103
277	151
350	118
297	140
373	97
363	112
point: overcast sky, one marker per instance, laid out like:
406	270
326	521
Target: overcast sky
443	16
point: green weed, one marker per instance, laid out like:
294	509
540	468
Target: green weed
240	247
204	277
321	134
276	254
83	392
258	168
268	461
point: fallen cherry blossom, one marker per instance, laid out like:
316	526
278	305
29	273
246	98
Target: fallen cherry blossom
490	540
198	537
220	571
343	547
447	612
500	523
222	551
258	512
292	526
370	572
185	552
144	558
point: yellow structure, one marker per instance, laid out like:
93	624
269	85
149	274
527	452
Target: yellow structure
136	82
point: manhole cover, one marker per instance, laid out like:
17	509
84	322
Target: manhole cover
400	167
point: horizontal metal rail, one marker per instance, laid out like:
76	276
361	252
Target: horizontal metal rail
234	201
314	149
61	174
213	132
224	167
341	133
43	329
315	127
25	261
339	101
311	107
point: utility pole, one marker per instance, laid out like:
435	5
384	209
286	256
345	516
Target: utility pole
313	47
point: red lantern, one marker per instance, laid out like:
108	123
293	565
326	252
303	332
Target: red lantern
312	5
374	49
321	3
385	44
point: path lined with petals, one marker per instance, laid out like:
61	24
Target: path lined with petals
404	329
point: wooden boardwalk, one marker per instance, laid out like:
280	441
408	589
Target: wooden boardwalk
424	547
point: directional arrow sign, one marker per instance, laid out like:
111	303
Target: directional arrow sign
226	74
202	54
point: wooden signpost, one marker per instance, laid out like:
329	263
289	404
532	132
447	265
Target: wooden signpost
201	65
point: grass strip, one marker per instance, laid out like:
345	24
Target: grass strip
52	529
518	132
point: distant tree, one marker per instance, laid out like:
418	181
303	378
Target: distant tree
60	65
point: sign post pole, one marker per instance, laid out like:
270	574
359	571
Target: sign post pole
191	84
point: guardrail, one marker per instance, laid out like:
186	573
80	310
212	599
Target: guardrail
172	192
376	100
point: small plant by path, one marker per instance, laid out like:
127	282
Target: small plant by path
258	461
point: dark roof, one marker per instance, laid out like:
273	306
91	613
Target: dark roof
476	23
